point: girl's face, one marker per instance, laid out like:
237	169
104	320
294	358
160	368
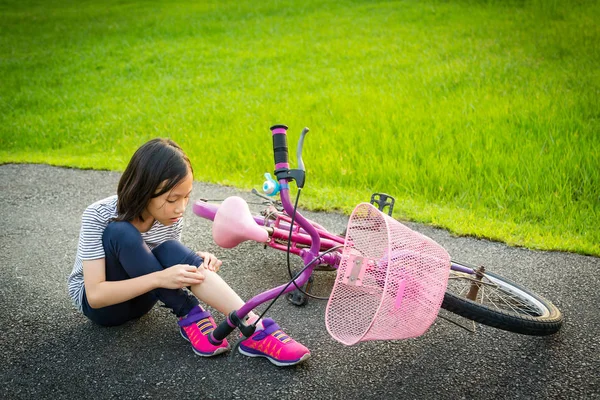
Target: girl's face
169	207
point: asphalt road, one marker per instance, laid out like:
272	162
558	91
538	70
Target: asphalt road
49	350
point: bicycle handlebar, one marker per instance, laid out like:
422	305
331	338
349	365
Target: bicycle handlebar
284	176
227	326
221	331
280	147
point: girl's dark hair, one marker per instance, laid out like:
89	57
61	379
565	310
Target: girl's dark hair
155	162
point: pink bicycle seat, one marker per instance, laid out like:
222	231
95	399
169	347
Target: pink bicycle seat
233	224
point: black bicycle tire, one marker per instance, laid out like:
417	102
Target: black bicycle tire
506	320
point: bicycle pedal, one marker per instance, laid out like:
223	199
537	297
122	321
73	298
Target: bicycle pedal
297	298
382	200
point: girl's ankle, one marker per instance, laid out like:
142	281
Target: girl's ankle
252	319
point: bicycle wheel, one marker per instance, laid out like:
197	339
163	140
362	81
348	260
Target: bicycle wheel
492	300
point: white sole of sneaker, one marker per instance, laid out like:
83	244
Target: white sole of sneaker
273	361
220	350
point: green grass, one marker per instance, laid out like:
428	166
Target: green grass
482	117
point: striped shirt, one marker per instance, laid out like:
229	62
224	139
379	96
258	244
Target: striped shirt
93	222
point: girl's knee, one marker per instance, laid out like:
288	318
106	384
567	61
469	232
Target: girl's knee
121	235
173	252
121	230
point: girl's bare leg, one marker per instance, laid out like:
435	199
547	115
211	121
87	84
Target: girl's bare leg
215	292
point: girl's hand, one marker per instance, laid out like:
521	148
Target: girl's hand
180	276
211	262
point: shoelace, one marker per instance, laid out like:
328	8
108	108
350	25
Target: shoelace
205	326
281	336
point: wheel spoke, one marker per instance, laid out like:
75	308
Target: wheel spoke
486	297
491	294
512	302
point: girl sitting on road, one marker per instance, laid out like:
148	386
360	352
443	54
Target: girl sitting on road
130	256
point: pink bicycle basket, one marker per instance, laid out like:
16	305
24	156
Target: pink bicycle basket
390	283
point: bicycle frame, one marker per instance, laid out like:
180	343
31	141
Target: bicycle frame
299	237
279	230
309	235
308	240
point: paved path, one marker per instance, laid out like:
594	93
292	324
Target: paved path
48	350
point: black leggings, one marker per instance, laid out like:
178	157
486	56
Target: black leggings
127	256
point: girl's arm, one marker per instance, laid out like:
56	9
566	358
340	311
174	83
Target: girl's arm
102	293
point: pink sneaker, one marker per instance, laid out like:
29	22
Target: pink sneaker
272	343
195	328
